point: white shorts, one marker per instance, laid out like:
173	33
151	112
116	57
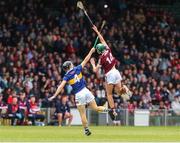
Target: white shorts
113	76
83	97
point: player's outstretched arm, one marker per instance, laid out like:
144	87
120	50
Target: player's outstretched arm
87	58
95	67
100	36
59	89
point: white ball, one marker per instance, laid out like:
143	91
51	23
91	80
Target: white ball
105	6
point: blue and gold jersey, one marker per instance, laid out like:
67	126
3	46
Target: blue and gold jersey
75	79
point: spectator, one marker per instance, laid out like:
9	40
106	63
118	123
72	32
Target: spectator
10	98
162	108
23	103
34	111
158	94
176	105
132	106
3	107
136	96
63	110
14	112
165	94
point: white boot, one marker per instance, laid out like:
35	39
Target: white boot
126	96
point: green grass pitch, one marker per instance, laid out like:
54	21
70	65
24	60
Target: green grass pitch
99	134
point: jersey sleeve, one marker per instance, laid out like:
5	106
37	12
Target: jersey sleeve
66	78
79	67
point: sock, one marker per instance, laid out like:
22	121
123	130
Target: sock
86	128
87	131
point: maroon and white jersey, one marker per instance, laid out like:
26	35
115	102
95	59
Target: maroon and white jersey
107	61
3	105
23	104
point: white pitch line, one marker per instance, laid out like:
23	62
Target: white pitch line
92	142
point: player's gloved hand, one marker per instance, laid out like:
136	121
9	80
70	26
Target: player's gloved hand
92	61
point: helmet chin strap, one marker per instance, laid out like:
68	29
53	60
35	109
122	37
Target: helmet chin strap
99	52
69	70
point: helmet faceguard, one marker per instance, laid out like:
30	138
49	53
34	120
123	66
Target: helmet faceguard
67	65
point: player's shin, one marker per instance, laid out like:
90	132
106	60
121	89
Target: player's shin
70	120
110	101
109	90
82	112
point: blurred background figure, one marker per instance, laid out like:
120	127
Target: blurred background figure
3	107
176	105
63	110
14	112
34	111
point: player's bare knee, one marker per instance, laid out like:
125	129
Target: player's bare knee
71	116
59	115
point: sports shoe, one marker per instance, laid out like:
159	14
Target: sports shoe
112	114
87	132
126	96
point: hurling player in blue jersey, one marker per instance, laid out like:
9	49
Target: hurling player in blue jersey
83	96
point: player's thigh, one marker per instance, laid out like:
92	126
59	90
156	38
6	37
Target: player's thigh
67	115
109	88
82	110
118	87
93	105
59	115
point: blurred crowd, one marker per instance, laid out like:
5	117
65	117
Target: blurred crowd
37	36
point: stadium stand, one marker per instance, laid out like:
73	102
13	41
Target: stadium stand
37	36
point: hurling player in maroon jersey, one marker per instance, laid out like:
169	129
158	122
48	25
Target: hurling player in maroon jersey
112	75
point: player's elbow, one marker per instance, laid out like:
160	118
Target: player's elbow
83	64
